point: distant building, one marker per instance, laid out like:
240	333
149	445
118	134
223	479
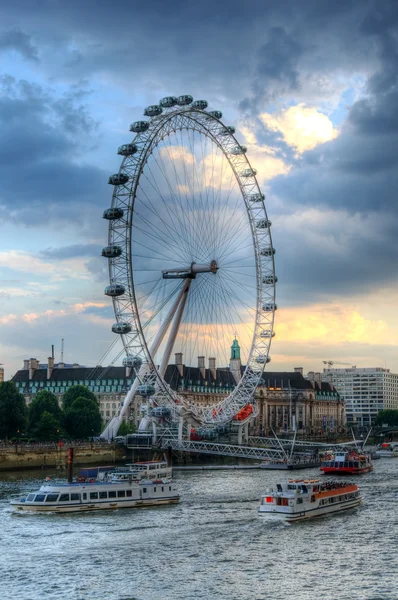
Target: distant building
109	384
289	402
286	400
1	374
365	391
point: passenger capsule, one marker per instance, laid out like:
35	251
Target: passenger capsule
263	224
268	251
118	179
217	114
267	334
134	362
229	129
145	390
263	359
269	306
269	279
127	149
161	411
238	150
168	101
111	214
111	251
200	104
256	198
249	173
153	111
115	289
139	126
184	100
121	328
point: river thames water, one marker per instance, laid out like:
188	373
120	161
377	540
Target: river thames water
210	546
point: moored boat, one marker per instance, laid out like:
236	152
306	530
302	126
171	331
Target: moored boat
347	463
299	500
387	450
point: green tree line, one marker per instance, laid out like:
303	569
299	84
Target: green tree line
78	418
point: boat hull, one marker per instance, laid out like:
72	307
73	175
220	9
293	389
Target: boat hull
346	470
92	506
321	511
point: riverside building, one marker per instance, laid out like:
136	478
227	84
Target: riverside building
286	401
365	391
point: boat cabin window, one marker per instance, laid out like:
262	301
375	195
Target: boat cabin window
103	495
64	498
40	498
84	496
144	490
30	498
299	500
93	495
121	494
128	492
75	497
111	494
52	497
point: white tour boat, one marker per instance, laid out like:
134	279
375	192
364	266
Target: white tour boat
299	500
104	488
387	450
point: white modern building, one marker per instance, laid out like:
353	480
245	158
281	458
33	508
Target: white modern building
365	391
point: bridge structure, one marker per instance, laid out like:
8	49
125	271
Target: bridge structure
257	448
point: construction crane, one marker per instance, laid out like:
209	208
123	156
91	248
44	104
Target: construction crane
330	363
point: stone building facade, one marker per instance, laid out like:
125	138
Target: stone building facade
286	400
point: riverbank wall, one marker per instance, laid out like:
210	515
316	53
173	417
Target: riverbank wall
22	457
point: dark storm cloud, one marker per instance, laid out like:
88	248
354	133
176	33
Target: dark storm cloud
41	137
245	55
20	42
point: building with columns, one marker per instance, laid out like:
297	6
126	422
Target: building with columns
286	400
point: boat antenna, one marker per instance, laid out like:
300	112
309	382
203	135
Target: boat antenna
293	442
279	442
366	439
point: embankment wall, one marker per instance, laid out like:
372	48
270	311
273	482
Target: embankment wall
22	457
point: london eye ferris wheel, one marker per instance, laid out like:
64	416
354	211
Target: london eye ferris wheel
191	260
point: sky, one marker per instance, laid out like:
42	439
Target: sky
312	88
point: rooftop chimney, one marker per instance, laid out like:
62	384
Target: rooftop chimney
61	365
298	370
75	365
33	365
26	364
212	367
178	363
50	366
317	377
201	366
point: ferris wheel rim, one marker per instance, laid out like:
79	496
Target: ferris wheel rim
200	121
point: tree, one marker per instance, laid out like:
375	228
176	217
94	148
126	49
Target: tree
47	428
13	410
83	418
44	401
126	428
387	417
74	392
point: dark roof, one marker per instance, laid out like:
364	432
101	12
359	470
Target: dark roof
191	376
77	374
286	379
